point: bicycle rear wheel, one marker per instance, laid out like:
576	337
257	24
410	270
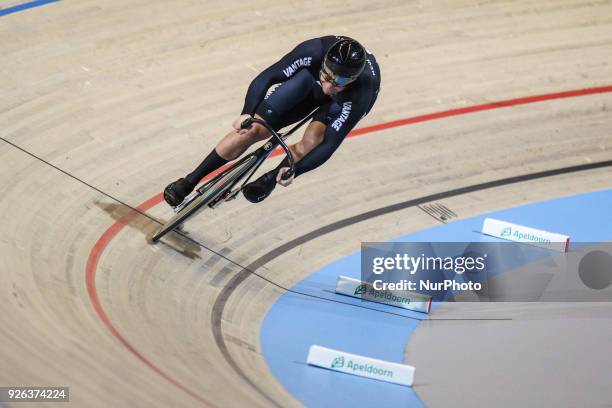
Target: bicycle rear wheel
213	191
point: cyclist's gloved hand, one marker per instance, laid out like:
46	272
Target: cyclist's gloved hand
238	121
280	180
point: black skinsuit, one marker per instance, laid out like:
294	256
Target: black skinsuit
300	92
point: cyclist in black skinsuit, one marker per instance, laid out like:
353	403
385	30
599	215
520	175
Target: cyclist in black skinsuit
332	74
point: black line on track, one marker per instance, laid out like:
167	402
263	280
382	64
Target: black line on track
222	346
228	289
77	179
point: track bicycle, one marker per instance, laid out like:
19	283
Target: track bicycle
224	186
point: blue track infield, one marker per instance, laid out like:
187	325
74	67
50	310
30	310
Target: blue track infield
295	321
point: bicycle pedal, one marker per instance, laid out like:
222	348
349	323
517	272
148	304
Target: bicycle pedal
186	201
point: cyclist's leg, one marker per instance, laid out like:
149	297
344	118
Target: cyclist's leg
284	105
231	146
289	102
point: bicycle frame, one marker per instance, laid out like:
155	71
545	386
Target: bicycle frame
208	195
261	155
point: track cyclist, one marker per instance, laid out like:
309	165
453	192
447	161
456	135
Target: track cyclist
335	75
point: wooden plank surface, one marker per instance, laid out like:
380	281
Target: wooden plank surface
124	97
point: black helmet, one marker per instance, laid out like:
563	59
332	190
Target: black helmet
343	62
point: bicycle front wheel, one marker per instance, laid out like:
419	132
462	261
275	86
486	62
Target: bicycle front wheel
213	191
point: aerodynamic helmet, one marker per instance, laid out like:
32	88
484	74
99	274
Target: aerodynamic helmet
344	62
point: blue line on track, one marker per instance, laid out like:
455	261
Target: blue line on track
25	6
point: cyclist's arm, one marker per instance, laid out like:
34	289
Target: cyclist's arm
303	56
313	137
334	134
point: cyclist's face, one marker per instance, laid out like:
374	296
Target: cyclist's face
329	88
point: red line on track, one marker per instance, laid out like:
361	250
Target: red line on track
90	279
108	235
480	108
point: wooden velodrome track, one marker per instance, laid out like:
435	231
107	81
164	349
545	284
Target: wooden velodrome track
103	103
